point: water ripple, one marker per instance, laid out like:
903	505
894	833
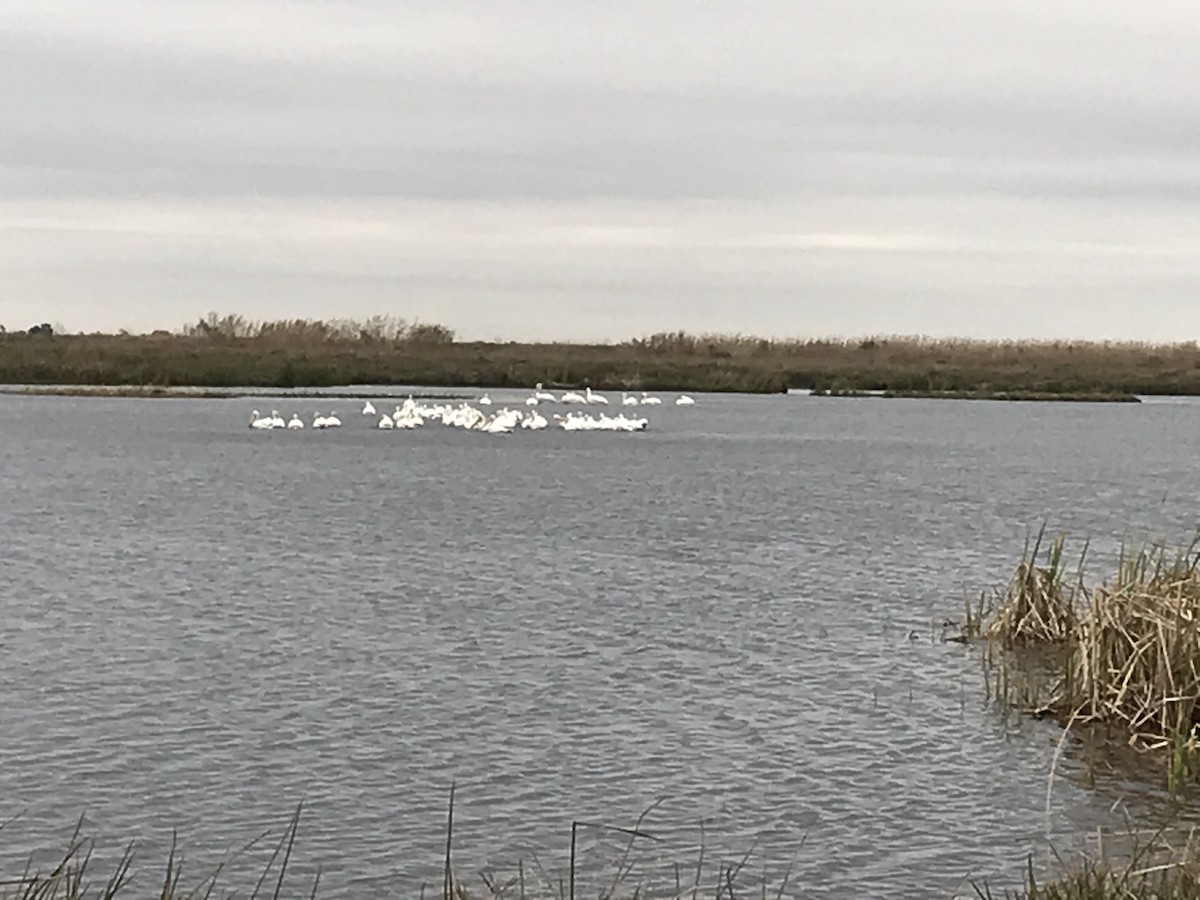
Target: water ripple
731	614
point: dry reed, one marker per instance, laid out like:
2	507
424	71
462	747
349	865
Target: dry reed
1128	649
1131	865
230	351
1037	605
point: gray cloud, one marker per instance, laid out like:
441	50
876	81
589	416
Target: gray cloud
534	170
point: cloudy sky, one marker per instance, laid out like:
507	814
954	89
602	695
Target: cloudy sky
531	169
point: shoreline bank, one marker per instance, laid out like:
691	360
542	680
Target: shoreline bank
891	367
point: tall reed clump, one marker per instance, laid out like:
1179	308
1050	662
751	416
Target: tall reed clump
1130	647
1038	605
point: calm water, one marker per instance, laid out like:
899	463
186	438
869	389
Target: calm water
202	626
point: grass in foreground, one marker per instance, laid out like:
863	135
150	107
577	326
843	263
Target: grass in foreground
74	876
1151	868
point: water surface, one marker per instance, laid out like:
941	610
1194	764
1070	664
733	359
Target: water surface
733	613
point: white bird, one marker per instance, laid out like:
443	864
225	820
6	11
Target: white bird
368	409
627	400
277	420
596	398
531	401
648	400
257	421
577	421
684	400
534	421
319	421
485	400
573	397
295	422
502	422
386	422
408	415
408	419
544	396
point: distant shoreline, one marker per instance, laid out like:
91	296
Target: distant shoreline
208	393
382	394
300	354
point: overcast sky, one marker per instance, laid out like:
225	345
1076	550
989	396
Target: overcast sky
532	169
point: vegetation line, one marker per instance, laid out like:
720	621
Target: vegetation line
151	393
232	352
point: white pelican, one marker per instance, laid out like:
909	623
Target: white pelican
257	421
319	421
295	422
368	409
408	418
627	400
534	421
648	400
332	421
502	422
576	421
531	401
573	397
542	395
386	422
485	400
596	398
684	400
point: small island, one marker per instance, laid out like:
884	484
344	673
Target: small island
1015	396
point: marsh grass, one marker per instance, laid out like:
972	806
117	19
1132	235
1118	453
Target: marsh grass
1040	604
116	390
1116	665
152	392
695	881
1124	654
1123	866
75	875
1131	865
231	351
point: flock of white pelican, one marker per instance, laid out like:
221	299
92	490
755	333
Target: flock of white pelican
414	414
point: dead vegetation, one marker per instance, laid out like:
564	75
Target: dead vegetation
232	351
1124	653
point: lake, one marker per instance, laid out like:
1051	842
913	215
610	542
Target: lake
734	613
